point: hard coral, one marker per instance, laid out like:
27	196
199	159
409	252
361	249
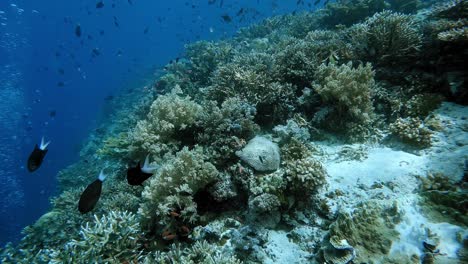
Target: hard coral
412	131
386	38
305	175
347	93
174	187
369	230
111	238
170	121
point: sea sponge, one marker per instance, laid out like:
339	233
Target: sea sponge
347	92
261	154
173	188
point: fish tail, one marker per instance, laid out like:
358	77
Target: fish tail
102	176
44	145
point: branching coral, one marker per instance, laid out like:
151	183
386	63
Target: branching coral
297	59
350	12
305	175
386	38
110	238
170	121
226	128
347	92
205	57
174	187
412	131
248	77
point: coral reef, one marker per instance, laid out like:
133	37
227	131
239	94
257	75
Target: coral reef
346	91
173	190
440	194
347	73
386	38
412	131
169	123
111	238
369	230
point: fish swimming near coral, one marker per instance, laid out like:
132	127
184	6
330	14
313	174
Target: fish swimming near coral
91	194
137	175
37	155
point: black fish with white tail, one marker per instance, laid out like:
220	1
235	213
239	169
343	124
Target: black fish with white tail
137	175
37	155
91	194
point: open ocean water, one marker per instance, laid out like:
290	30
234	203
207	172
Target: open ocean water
274	131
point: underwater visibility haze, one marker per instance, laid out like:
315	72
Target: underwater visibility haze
234	131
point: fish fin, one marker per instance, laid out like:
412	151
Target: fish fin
43	145
102	176
147	168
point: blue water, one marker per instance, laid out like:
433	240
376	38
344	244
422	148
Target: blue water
45	69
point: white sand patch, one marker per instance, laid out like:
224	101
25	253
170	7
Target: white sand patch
280	250
388	176
415	228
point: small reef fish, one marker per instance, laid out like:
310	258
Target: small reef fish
91	194
78	30
37	155
226	18
137	175
100	4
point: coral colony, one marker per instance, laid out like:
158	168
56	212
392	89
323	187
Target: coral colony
260	145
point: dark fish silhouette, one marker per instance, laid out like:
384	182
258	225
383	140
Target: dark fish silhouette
78	30
137	175
91	194
99	4
52	113
37	156
226	18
